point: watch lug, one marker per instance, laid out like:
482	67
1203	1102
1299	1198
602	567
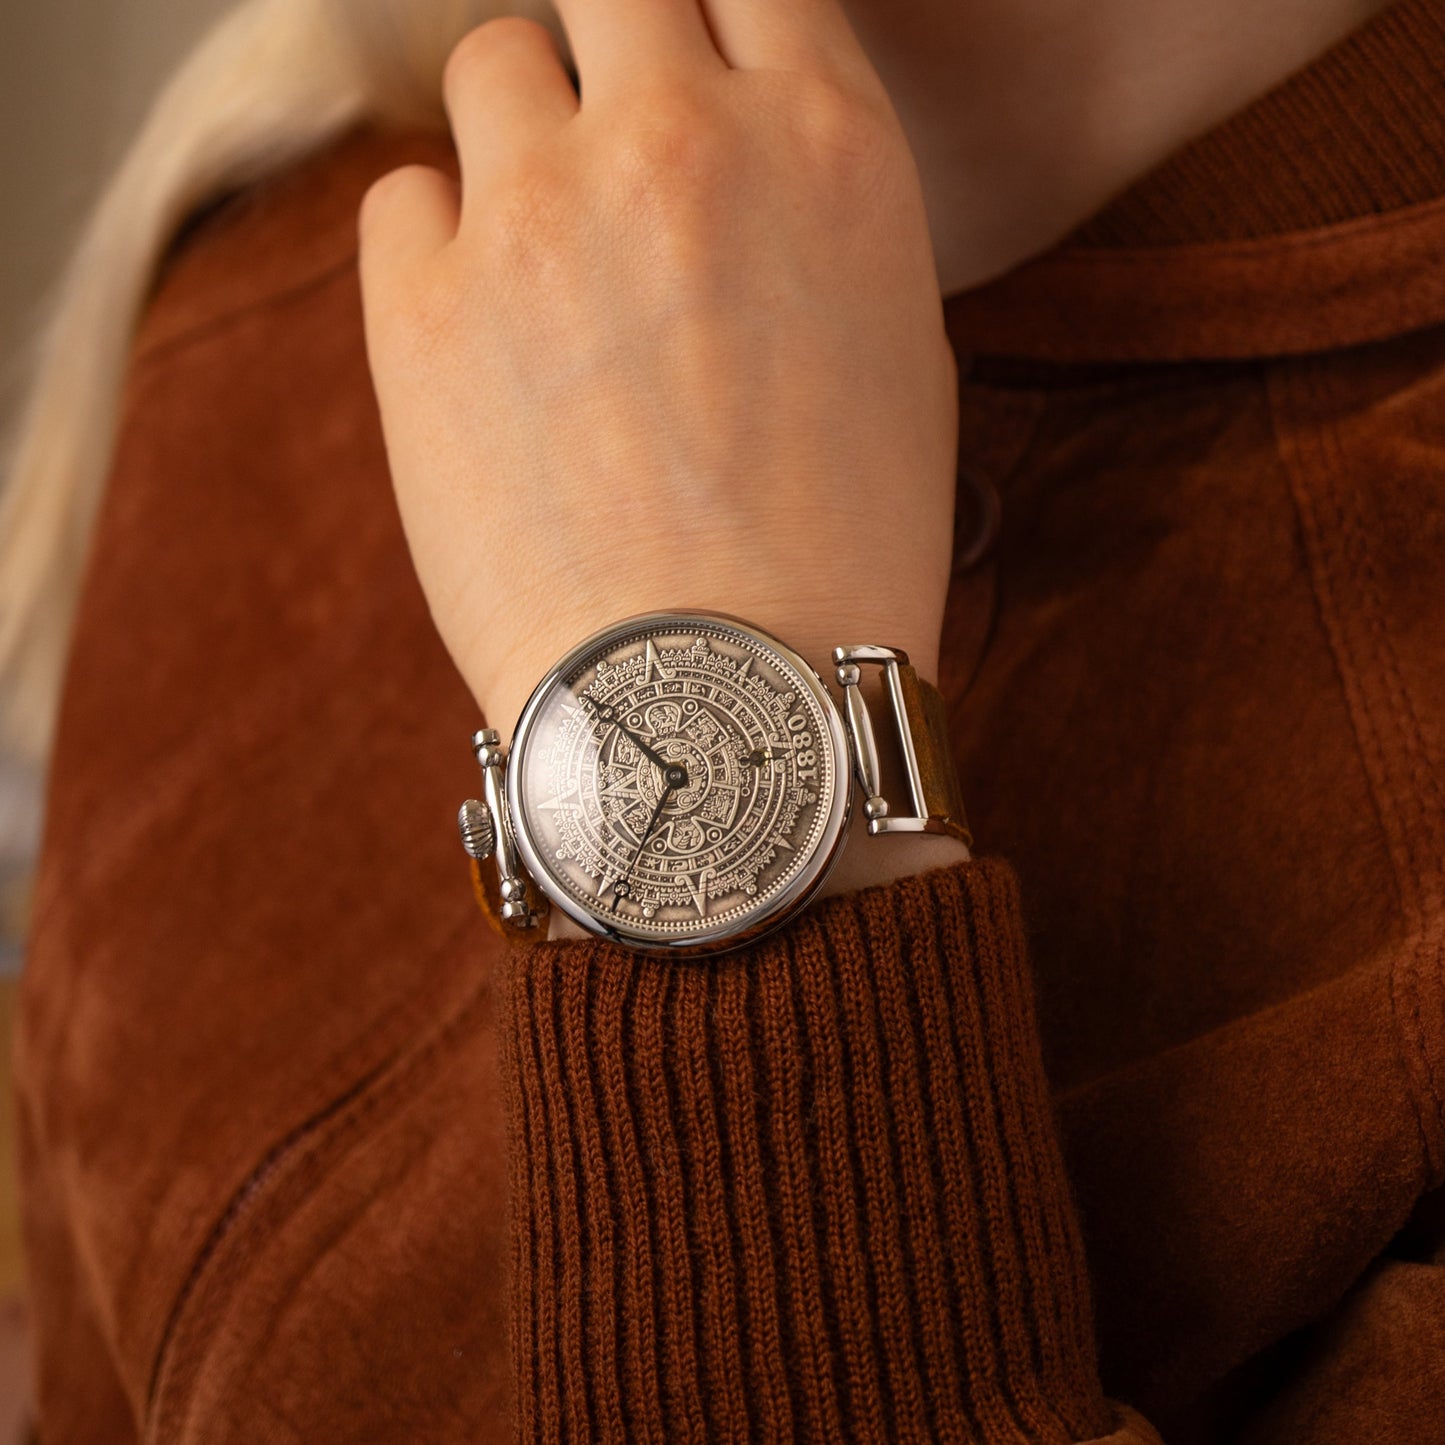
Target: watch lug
512	883
921	731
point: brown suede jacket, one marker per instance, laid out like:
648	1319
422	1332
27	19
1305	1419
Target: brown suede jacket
1138	1117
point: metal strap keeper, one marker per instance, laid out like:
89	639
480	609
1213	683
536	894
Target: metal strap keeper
921	727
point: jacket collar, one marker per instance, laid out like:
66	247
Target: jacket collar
1312	219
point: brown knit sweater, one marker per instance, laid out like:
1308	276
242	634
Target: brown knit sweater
1137	1118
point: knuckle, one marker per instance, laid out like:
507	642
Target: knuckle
380	199
670	178
671	141
422	318
843	129
522	214
519	28
527	232
480	47
465	57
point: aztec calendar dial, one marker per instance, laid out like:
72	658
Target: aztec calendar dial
677	779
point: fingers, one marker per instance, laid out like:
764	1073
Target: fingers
505	83
807	35
406	218
615	42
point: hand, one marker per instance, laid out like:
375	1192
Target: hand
674	778
679	344
605	713
759	756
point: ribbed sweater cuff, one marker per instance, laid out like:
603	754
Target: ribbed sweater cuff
811	1190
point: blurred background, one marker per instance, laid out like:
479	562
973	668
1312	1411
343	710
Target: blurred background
76	77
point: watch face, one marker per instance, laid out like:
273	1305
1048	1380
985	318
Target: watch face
679	782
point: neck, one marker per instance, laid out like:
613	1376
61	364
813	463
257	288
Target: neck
1026	116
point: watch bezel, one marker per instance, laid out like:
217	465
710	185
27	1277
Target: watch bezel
716	938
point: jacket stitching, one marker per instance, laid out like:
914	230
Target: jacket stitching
1405	715
151	351
1266	247
338	1124
1353	650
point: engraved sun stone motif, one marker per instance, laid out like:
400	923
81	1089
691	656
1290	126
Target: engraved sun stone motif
679	780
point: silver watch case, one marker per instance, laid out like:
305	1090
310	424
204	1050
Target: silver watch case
714	938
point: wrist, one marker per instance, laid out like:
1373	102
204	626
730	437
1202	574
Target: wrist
868	860
811	630
865	860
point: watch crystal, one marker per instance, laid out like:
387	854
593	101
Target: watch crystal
677	780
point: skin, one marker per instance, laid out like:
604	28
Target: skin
680	343
1026	116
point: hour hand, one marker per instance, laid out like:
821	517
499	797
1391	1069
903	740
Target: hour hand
604	712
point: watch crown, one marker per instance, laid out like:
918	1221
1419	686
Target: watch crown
474	822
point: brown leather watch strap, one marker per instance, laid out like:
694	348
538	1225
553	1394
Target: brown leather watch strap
938	776
489	900
920	726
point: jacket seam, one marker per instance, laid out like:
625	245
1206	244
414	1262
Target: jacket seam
1369	714
152	351
337	1124
1309	239
1399	704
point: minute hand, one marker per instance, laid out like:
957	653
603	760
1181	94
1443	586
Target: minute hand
662	802
632	737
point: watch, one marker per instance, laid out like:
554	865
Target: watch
682	782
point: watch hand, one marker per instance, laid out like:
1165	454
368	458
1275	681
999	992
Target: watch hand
675	777
606	713
759	756
620	889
